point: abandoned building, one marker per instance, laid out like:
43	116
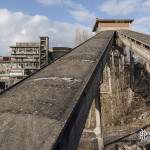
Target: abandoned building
25	59
29	57
5	66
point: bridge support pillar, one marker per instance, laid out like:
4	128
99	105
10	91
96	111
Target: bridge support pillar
98	129
92	137
148	67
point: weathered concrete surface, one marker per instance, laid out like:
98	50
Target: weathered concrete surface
122	108
34	114
144	38
114	89
139	43
136	112
92	137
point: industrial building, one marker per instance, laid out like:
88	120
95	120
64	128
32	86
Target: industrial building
29	57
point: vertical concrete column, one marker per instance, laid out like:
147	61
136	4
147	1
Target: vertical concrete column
131	70
130	97
109	81
112	60
148	67
88	122
112	81
98	129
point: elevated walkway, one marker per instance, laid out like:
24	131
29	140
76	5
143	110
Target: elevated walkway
49	109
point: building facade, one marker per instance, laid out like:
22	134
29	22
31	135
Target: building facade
26	58
5	67
111	24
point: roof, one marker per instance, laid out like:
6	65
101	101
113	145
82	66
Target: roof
111	21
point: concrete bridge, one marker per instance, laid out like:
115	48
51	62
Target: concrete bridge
49	109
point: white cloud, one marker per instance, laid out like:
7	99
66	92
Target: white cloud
124	7
142	25
128	7
68	3
119	7
146	5
50	2
19	27
77	10
83	15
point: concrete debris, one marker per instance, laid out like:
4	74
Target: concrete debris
144	115
131	147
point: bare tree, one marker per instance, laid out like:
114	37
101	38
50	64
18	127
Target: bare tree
81	36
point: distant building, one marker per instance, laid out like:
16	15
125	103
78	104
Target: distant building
26	58
5	67
111	24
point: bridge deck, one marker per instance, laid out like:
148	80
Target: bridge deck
34	112
144	38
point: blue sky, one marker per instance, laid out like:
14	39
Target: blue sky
26	20
60	11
